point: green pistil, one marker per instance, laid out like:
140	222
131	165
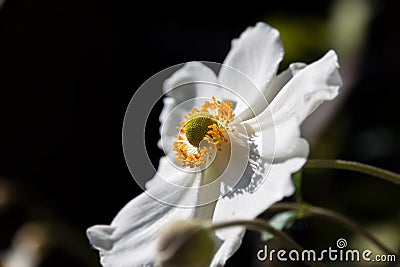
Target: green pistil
196	127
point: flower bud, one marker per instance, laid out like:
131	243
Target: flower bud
185	243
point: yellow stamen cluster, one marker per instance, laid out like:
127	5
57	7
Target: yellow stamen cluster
211	122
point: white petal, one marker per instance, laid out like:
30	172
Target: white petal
262	183
208	194
194	75
131	238
169	104
279	81
228	248
244	204
99	236
232	160
312	85
275	142
169	130
167	170
191	81
256	54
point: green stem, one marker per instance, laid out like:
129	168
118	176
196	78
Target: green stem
354	166
262	226
307	209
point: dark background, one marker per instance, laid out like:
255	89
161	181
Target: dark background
68	70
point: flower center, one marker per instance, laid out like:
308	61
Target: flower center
197	127
210	123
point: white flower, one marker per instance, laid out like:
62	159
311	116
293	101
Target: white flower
266	137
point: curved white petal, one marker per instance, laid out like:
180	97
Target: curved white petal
312	85
191	81
279	81
233	159
256	54
275	142
167	171
273	88
228	247
131	238
192	77
169	130
208	194
274	155
248	205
